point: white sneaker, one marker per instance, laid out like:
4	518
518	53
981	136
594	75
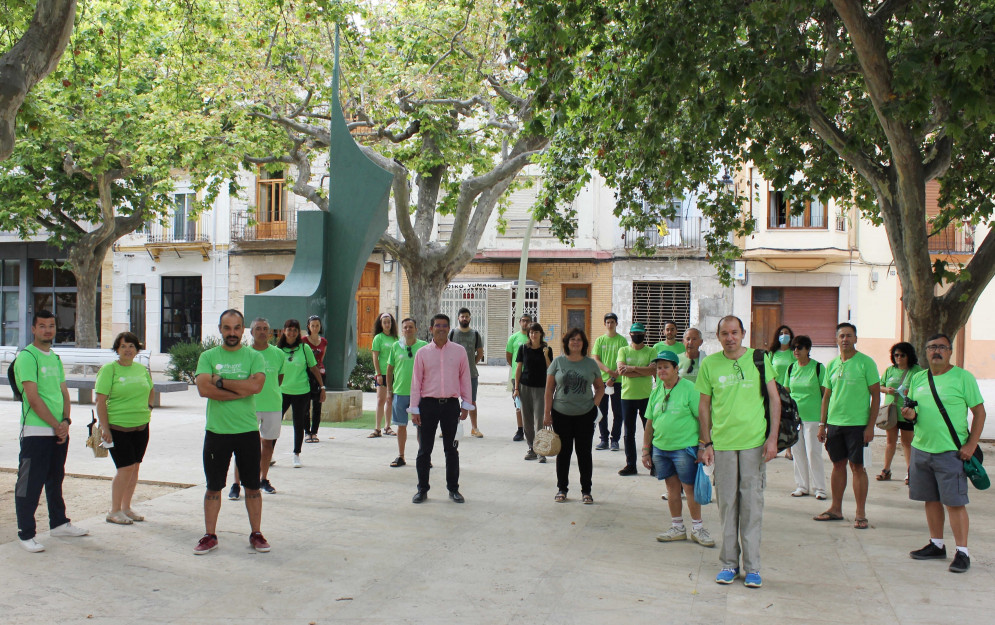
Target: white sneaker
68	529
799	492
674	533
32	545
702	537
297	461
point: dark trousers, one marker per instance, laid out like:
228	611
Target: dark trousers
444	414
574	431
616	404
42	463
299	403
630	408
315	412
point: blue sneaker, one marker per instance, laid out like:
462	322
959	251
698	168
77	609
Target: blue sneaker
727	576
753	580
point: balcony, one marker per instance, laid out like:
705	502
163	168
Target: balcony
952	240
515	228
246	228
179	234
682	237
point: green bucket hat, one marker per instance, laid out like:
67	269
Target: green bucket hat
637	328
668	355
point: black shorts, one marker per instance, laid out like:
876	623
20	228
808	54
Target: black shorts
129	447
218	449
846	442
904	425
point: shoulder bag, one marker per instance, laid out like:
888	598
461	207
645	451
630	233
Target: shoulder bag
972	466
888	414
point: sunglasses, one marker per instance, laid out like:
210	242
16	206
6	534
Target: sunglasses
662	407
738	369
410	355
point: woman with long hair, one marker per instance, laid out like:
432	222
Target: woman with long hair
295	387
532	360
318	345
904	365
570	408
384	337
124	407
782	357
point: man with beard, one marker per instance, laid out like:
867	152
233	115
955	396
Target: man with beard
473	343
229	376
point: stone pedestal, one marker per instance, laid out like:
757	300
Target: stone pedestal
342	406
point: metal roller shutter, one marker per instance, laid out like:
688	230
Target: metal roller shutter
813	311
654	303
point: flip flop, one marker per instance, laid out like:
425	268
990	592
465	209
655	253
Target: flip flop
828	516
860	524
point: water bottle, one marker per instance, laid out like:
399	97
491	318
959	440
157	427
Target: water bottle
459	433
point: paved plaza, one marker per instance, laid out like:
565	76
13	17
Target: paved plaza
350	547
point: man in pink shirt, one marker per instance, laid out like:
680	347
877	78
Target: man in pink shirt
440	379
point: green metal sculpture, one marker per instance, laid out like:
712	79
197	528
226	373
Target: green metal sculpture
333	247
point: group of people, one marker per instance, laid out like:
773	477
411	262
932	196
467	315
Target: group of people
721	410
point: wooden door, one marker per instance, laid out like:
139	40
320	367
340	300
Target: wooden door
367	304
576	308
766	319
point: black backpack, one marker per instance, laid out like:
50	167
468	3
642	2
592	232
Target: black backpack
791	423
18	396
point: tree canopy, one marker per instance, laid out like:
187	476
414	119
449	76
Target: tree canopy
859	101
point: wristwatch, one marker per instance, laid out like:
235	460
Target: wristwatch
220	383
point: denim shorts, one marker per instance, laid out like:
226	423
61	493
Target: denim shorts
679	463
399	409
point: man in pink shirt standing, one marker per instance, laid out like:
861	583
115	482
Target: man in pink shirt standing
441	396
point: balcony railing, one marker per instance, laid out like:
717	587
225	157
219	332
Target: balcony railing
952	240
245	227
180	230
681	234
514	229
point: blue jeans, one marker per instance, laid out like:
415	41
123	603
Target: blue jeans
615	400
679	463
630	408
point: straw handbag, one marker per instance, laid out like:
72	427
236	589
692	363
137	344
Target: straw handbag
94	439
546	442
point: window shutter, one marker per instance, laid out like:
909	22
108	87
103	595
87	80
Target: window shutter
813	311
654	303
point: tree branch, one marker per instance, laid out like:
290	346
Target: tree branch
452	42
886	9
937	159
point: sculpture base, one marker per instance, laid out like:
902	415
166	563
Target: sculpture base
342	406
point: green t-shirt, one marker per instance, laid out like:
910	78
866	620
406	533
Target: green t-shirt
677	348
382	343
892	378
688	369
782	359
850	403
234	416
958	390
515	341
674	415
806	385
606	348
298	360
270	399
127	390
738	419
574	394
403	365
641	387
45	370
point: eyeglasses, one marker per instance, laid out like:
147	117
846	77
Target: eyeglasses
662	407
937	348
738	369
410	355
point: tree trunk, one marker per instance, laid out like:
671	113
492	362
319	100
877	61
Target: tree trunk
426	283
34	55
86	259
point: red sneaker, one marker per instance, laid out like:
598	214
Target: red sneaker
207	544
258	542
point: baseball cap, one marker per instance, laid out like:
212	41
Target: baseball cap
637	328
666	354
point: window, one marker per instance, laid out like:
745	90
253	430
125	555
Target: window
787	212
54	289
518	212
530	306
268	282
655	303
10	300
184	228
270	204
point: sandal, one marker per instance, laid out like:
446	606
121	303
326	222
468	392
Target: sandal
906	480
374	434
860	524
398	462
884	476
828	516
587	499
560	497
389	432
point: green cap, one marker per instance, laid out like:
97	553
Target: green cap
666	354
637	327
